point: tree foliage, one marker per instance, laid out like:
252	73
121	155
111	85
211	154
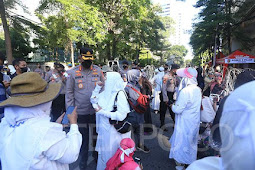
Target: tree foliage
113	28
18	30
219	19
176	54
69	22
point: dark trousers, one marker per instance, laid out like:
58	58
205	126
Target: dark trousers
138	133
58	107
147	120
163	108
85	123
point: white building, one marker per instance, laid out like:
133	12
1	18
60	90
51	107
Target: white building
182	12
174	9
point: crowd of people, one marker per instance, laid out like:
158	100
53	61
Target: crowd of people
112	113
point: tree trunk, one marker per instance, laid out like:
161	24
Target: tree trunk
114	47
57	54
7	37
108	50
228	9
161	58
72	53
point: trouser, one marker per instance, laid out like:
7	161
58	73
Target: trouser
58	107
138	134
85	123
163	108
147	120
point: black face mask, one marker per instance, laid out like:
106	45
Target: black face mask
23	70
86	64
125	67
166	69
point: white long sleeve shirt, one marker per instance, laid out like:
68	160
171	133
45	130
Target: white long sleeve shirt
38	144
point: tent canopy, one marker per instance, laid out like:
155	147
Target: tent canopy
236	57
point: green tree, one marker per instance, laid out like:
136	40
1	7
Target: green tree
77	21
131	26
219	19
176	54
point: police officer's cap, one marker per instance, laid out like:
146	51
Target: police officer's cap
86	53
56	63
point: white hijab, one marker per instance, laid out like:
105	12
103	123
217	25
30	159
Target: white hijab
189	77
186	82
22	130
237	129
113	84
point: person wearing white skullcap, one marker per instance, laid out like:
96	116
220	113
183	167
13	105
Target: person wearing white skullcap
187	118
237	130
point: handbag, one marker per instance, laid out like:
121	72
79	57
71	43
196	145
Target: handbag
207	113
121	126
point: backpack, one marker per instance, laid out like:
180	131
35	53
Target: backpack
141	104
121	126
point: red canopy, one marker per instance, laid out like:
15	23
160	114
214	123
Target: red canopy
220	55
236	57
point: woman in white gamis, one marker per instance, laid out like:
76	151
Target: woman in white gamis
108	139
187	118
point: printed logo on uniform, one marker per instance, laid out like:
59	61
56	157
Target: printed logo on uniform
164	81
80	85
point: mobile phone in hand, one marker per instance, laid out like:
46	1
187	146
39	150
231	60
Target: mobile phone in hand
69	110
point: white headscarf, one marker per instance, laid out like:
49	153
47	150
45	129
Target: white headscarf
237	129
113	84
187	80
22	130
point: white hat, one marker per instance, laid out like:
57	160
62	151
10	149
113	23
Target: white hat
161	69
187	72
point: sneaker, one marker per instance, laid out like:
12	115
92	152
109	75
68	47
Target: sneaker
143	148
179	167
156	112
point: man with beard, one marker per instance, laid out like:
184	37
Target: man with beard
20	66
80	83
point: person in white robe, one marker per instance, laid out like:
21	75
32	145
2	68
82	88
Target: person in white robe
157	82
237	130
108	139
187	118
28	140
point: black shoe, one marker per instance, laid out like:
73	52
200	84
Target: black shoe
143	148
